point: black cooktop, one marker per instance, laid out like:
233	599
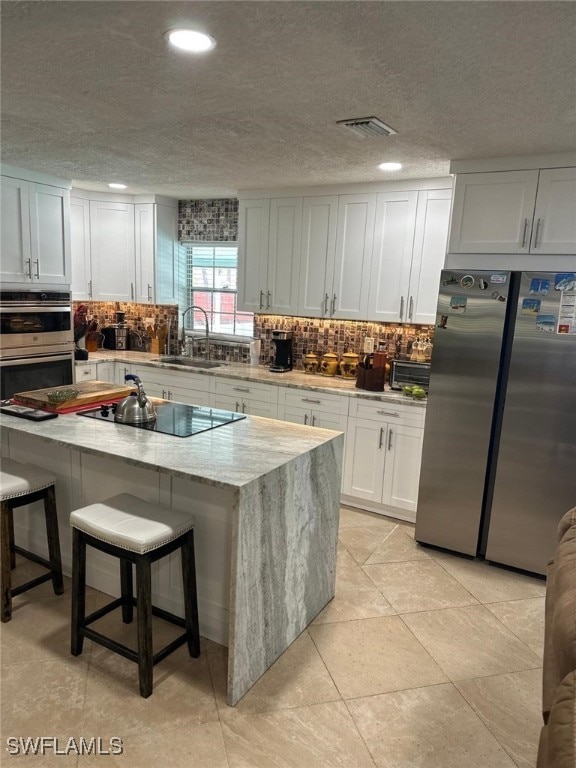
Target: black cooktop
176	419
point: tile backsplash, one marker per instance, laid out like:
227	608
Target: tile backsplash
320	336
139	317
210	221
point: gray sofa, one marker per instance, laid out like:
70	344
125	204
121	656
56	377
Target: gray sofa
557	748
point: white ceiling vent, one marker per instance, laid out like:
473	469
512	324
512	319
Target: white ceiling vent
367	127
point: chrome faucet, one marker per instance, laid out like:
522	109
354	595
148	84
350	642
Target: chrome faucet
183	334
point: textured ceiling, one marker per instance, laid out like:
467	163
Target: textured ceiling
91	92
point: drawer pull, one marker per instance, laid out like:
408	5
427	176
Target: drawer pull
311	400
240	389
388	413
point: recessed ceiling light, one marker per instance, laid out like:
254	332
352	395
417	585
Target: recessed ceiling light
390	166
117	186
190	40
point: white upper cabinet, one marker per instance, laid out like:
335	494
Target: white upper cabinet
253	233
554	228
144	240
515	212
351	275
430	240
284	255
50	234
363	256
392	256
112	250
269	233
16	253
123	251
409	251
35	233
319	218
81	283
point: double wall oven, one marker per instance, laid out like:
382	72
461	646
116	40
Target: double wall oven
36	340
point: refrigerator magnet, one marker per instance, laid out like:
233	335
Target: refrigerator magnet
530	306
565	281
539	287
546	323
458	304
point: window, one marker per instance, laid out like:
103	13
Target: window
212	272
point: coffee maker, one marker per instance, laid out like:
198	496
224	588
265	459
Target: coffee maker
282	361
116	336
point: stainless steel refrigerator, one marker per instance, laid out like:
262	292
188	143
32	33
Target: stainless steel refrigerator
499	457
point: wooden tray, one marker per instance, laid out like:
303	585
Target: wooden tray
89	392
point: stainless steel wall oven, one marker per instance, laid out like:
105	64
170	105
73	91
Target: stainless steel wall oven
36	340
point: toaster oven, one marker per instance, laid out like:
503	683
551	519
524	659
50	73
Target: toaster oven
404	372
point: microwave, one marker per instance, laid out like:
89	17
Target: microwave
403	372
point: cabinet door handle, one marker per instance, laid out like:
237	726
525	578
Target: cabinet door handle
29	263
389	439
243	407
261	299
90	288
310	400
313	421
537	232
237	406
333	304
381	440
305	418
240	389
525	230
169	395
268	299
388	413
149	292
326	300
132	291
37	262
410	308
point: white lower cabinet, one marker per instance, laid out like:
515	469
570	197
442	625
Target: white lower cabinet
325	411
105	372
247	397
382	459
85	372
182	387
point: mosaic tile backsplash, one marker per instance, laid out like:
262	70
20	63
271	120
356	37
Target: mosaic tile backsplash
139	319
209	221
339	336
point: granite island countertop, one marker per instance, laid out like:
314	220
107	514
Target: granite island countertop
241	371
230	456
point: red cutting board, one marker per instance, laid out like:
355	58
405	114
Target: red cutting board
89	393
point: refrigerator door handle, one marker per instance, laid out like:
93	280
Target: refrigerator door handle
524	234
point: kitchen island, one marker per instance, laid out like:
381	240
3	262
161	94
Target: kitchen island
265	498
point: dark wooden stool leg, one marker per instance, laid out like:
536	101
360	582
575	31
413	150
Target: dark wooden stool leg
127	591
78	590
190	595
53	540
144	608
11	529
6	575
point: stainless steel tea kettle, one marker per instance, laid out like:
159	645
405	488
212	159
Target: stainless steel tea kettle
136	408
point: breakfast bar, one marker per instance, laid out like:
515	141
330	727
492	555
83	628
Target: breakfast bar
265	499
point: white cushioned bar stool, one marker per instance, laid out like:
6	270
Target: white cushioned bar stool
22	484
136	532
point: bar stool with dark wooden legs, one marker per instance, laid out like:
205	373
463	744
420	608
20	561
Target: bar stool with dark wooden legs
140	533
22	484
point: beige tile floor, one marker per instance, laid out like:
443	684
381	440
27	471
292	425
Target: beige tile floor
422	660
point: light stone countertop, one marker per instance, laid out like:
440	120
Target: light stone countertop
230	456
295	379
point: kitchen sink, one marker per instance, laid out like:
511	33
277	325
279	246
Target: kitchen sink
188	361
